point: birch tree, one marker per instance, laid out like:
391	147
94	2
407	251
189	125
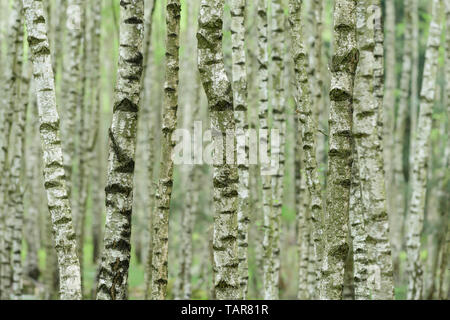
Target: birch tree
163	197
12	84
113	274
343	68
54	177
263	78
239	84
225	176
277	23
308	129
370	161
414	222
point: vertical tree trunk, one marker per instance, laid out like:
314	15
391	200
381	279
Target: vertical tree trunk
414	222
72	88
225	177
239	74
308	128
388	129
55	182
263	78
279	123
343	67
370	157
161	218
16	188
113	274
359	237
14	67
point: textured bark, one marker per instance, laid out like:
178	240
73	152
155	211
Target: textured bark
414	221
225	176
16	190
398	177
277	24
55	182
315	73
308	127
14	67
302	220
163	197
239	75
263	78
113	275
388	128
71	93
343	67
370	158
359	237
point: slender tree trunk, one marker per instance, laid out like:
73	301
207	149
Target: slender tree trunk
414	222
161	218
113	275
263	78
302	220
359	237
225	180
388	130
308	127
14	71
239	72
16	188
279	123
343	67
54	177
370	157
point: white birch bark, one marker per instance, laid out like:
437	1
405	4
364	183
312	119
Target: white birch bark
343	67
163	197
370	157
113	274
277	24
414	221
263	78
225	176
308	128
54	177
239	83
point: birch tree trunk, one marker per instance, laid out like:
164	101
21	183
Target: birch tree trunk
16	189
308	127
113	274
388	129
279	123
343	67
54	177
71	88
414	221
163	197
263	79
370	157
225	175
13	75
239	74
